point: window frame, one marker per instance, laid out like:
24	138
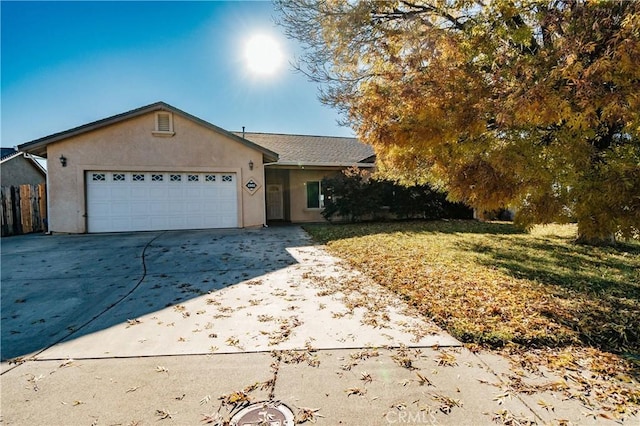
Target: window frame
320	200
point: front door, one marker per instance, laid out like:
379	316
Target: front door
275	208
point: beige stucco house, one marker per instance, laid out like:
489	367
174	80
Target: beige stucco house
160	168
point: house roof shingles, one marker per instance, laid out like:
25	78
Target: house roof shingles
313	150
280	149
6	152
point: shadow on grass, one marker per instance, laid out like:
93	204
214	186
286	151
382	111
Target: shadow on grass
326	233
595	290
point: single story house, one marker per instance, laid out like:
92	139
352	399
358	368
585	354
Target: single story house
160	168
18	168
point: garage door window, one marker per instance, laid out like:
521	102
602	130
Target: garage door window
227	178
210	178
193	178
157	178
118	177
175	178
138	178
99	177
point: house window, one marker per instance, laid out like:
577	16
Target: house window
175	178
118	177
210	178
157	178
137	177
164	124
315	199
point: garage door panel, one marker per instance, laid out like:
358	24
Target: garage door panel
143	201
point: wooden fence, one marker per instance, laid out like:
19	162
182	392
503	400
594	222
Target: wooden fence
24	209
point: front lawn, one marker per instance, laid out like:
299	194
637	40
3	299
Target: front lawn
492	286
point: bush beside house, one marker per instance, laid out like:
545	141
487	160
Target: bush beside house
354	195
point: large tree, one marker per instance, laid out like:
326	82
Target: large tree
502	103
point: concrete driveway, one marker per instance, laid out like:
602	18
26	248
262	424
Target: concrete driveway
190	327
193	292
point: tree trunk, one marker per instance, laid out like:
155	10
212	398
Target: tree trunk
609	240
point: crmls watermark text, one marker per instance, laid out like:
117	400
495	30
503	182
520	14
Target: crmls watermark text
410	417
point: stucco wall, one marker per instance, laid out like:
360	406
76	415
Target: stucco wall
298	194
131	146
20	171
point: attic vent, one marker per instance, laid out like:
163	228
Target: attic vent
164	124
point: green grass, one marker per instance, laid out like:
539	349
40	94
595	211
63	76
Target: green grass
490	284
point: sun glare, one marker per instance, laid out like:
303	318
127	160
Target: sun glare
263	55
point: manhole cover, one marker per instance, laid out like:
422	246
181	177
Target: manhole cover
272	413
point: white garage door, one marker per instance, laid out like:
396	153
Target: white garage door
150	201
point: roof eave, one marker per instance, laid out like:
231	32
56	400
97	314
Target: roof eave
39	146
301	164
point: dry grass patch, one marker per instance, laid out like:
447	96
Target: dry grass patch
489	284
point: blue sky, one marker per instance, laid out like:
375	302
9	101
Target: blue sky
65	64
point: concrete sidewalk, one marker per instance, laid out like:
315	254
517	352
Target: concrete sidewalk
205	322
350	387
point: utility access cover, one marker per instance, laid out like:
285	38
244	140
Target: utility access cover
270	413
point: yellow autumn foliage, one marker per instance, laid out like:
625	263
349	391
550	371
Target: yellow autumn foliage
526	104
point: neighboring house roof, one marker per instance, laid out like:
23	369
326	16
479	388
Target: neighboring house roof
8	154
4	152
299	150
39	146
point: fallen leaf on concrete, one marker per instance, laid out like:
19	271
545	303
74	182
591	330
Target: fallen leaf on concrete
66	363
545	405
161	369
506	417
446	359
366	377
164	414
132	322
235	398
422	380
355	391
446	403
213	418
306	415
205	400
